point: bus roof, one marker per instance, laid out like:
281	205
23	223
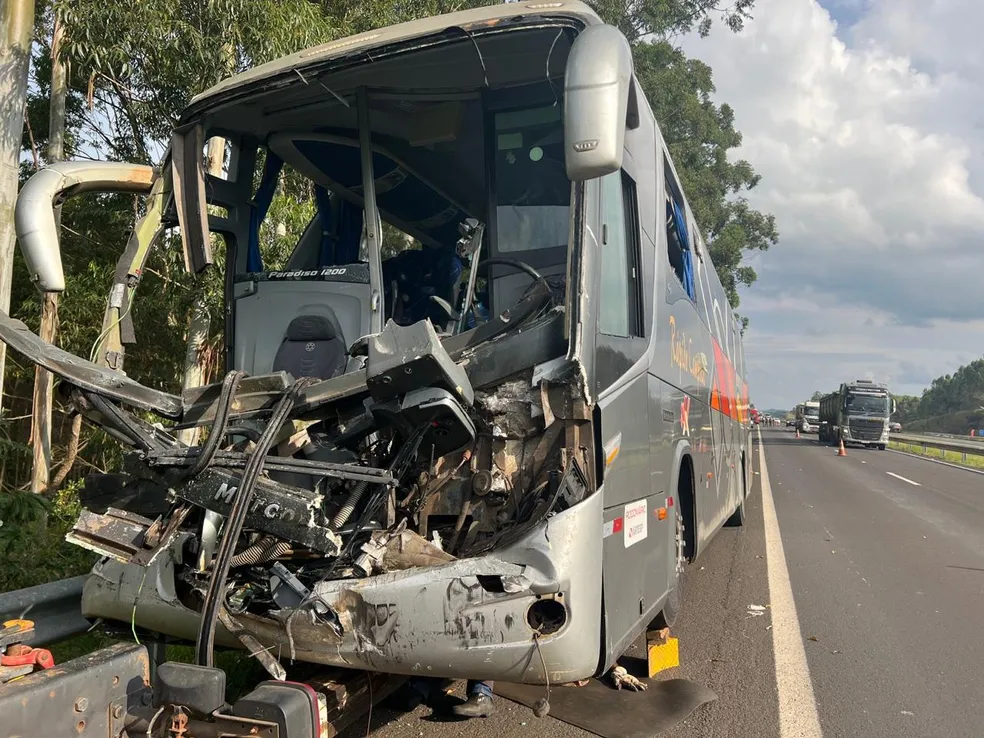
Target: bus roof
360	43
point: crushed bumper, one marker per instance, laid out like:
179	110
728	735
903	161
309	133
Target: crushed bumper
458	620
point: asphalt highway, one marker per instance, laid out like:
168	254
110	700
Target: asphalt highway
870	570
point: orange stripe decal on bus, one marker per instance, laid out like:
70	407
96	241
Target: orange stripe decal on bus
724	396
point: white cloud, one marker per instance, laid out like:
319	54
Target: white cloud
940	36
871	150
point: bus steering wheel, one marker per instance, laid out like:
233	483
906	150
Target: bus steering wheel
520	266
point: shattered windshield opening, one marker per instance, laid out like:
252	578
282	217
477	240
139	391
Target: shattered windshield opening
532	196
418	462
531	186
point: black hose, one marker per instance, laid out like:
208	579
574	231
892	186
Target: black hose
124	424
243	430
215	595
219	424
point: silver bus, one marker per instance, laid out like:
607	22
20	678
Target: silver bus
486	451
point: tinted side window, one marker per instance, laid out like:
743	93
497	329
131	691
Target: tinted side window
620	304
679	247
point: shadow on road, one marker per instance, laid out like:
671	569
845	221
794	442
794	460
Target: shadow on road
780	438
369	724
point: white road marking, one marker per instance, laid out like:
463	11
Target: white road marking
893	474
798	717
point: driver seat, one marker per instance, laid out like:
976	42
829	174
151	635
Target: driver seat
312	347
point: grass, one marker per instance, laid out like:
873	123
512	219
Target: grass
970	460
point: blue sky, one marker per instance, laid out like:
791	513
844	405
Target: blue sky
845	12
865	119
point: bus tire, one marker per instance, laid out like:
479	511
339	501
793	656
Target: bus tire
671	608
737	519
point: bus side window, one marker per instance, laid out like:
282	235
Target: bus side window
679	248
620	304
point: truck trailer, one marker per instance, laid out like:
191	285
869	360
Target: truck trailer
857	413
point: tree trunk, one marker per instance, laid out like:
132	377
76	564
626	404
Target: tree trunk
70	455
16	34
43	381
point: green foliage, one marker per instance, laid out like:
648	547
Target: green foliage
291	210
357	16
953	403
699	135
906	408
32	539
665	18
950	393
145	60
958	423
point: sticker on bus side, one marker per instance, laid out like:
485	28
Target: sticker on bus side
612	448
636	522
611	527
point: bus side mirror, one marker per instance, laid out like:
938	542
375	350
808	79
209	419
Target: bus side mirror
597	86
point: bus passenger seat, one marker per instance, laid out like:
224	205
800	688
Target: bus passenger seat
312	347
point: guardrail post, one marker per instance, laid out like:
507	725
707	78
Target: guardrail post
157	650
962	450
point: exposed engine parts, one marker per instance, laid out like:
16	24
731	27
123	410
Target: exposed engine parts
416	469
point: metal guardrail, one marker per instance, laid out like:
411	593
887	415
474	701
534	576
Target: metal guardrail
55	608
950	436
963	446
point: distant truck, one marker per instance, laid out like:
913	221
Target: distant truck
857	414
808	417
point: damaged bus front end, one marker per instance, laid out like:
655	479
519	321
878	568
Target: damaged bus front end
399	470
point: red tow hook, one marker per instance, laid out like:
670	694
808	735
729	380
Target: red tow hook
21	655
14	655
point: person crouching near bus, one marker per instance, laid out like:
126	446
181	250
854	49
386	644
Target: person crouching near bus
430	691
